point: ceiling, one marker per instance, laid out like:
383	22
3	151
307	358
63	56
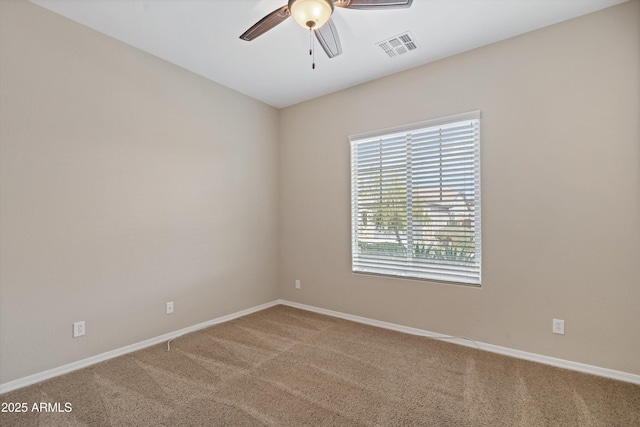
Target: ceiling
203	36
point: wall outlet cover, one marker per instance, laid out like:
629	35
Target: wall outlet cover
558	326
78	329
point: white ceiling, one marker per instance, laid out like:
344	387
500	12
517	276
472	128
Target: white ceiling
203	36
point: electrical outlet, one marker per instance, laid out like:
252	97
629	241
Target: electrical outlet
78	329
558	326
297	284
170	307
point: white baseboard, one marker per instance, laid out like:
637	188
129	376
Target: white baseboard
560	363
51	373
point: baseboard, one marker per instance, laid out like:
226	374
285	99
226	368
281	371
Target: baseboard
51	373
560	363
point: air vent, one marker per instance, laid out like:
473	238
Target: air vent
398	45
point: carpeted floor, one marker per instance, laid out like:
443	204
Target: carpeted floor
288	367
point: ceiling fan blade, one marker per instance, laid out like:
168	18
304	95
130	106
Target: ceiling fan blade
266	23
327	35
373	4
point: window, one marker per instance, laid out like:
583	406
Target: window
415	200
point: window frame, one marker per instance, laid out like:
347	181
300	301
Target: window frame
413	268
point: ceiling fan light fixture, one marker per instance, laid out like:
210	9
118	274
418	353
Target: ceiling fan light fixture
311	14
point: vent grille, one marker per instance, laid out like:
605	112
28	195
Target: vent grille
398	45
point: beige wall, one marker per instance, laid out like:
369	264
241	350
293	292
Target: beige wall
125	182
560	192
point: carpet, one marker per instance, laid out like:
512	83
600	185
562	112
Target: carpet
287	367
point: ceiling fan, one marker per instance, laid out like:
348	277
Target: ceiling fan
315	15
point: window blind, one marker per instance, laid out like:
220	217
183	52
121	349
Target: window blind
415	199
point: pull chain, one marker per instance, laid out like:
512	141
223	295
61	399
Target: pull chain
312	50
